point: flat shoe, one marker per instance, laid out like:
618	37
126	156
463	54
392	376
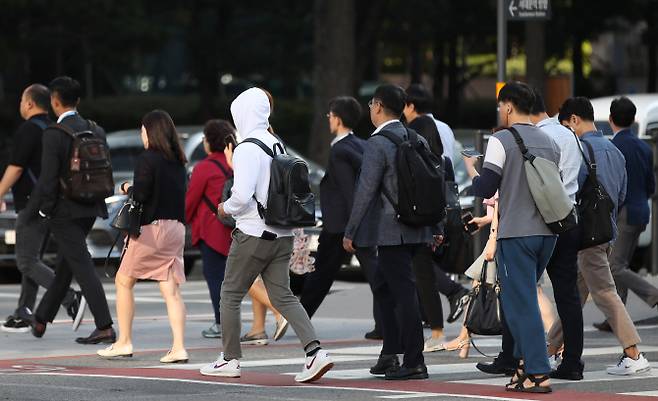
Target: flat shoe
182	357
111	352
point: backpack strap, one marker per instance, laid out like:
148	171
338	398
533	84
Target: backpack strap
270	152
227	175
519	141
391	137
591	165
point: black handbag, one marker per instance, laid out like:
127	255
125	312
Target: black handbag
483	314
129	223
594	207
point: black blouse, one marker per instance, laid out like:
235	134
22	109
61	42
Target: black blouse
160	186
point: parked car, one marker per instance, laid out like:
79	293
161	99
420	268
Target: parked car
125	147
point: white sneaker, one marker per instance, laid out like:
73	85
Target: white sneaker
628	366
315	367
222	368
555	360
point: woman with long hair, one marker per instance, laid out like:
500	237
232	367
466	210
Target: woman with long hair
157	253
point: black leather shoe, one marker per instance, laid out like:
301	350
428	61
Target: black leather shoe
457	304
98	336
498	367
374	335
405	373
38	329
384	364
74	306
568	370
603	326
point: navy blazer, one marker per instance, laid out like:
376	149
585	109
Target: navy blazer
641	180
337	186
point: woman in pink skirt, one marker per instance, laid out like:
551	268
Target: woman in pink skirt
157	253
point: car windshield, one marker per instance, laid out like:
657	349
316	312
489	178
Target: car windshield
604	127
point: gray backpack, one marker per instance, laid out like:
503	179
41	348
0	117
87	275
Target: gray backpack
547	189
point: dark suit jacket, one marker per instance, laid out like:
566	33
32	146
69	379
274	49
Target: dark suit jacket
55	159
373	220
639	170
337	186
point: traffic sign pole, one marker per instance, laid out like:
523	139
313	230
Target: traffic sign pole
501	54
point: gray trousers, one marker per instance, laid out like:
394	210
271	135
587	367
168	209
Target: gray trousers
248	257
622	252
30	234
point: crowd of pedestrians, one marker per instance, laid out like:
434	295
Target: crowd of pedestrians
245	251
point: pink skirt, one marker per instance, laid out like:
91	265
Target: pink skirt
156	252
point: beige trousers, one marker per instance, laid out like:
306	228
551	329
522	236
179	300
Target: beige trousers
595	278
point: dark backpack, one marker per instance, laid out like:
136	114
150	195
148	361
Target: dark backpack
290	202
89	177
594	206
421	182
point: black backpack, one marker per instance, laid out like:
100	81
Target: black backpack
421	182
290	202
594	206
89	177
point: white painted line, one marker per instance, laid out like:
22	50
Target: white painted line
643	393
355	374
447	395
265	363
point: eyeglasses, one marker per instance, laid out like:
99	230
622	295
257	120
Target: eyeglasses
329	115
372	102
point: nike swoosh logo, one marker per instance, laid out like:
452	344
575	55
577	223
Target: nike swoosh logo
312	361
219	366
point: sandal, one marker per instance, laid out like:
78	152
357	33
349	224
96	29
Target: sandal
536	387
515	380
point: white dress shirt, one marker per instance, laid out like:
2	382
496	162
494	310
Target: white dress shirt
570	156
447	137
66	114
381	127
340	137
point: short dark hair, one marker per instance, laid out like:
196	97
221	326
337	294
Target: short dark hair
519	94
392	98
538	106
162	135
67	90
216	132
347	109
40	95
579	106
622	112
420	97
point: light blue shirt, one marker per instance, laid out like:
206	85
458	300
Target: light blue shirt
570	157
610	170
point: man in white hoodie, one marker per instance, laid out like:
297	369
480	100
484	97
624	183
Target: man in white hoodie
257	248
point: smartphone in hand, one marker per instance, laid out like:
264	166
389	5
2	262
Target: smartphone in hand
471	153
470	227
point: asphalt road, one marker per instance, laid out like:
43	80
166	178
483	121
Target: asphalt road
55	368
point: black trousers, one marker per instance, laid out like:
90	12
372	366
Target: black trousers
328	261
563	272
74	260
426	282
395	287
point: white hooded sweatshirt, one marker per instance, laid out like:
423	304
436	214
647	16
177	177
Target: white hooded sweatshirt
251	165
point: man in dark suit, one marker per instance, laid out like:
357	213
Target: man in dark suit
634	215
374	222
69	221
336	197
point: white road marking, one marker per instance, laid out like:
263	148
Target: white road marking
642	393
265	363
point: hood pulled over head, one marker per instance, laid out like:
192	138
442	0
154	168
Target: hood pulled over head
251	111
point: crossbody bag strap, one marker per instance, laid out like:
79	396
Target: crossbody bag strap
519	141
227	175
